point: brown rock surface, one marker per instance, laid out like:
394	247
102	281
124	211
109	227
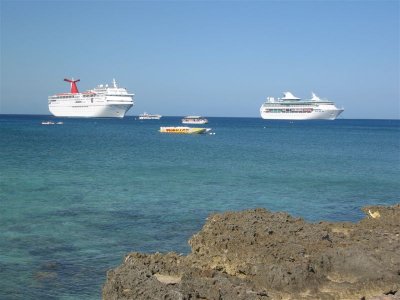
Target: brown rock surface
257	254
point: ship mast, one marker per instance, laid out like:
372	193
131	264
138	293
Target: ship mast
115	83
74	88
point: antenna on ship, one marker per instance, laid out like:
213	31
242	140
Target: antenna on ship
74	88
115	83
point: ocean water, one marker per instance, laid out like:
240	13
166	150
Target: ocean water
74	198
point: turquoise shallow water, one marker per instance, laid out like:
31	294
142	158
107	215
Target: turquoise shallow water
75	198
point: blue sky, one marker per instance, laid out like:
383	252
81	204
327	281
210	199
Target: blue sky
213	58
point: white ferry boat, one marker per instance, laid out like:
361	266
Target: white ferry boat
292	108
100	102
194	120
146	116
184	130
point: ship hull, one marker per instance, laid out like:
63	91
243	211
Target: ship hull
314	115
90	111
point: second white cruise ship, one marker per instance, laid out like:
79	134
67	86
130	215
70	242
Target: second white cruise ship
100	102
292	108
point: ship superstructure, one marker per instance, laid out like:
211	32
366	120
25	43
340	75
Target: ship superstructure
291	107
101	102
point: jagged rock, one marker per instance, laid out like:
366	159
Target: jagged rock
257	254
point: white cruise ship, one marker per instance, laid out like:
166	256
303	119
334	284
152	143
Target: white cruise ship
100	102
292	108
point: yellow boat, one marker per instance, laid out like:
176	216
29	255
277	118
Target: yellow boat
184	130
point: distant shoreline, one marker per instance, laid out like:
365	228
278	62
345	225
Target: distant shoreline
166	116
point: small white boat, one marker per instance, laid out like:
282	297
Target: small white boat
146	116
48	123
194	120
60	123
184	130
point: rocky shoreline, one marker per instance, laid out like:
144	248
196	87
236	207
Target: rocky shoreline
257	254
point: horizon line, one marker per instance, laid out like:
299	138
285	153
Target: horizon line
178	116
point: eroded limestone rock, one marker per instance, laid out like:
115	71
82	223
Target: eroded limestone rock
257	254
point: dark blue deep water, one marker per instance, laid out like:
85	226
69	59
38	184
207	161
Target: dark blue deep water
74	198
